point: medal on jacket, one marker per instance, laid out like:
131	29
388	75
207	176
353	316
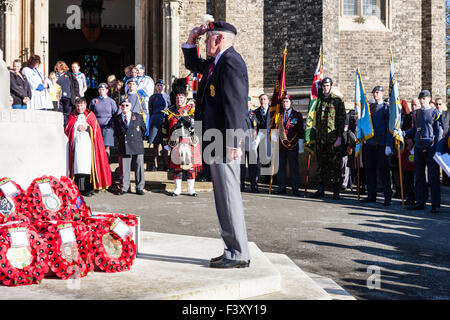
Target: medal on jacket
212	89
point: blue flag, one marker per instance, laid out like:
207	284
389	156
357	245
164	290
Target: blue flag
395	116
364	127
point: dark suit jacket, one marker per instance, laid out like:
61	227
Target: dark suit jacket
19	88
294	129
130	138
222	99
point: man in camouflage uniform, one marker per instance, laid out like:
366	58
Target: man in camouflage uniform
330	123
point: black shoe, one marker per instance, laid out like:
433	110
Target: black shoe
320	193
418	206
226	264
119	193
242	189
434	209
387	203
193	194
296	193
367	200
410	202
280	191
254	190
140	192
174	194
155	169
336	195
217	258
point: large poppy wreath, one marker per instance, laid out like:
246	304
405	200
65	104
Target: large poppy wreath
68	253
112	241
12	202
52	199
22	255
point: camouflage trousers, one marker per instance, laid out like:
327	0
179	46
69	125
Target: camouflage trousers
329	160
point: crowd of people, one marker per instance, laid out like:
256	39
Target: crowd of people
128	111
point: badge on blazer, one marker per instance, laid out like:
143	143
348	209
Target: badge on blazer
254	123
213	92
137	129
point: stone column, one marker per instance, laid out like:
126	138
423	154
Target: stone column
4	88
174	39
40	33
330	39
140	33
12	40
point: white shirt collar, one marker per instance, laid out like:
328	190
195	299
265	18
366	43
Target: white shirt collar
220	54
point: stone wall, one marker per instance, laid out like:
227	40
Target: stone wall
370	49
300	24
190	16
433	47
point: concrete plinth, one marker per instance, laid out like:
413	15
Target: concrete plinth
175	267
33	144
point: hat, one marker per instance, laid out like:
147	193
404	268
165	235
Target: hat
160	81
222	26
132	80
424	93
103	85
327	80
378	88
179	86
286	96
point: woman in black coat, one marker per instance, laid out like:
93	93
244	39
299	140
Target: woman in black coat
19	88
70	90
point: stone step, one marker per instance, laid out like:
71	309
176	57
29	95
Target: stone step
332	288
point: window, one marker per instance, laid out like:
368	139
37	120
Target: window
350	7
367	8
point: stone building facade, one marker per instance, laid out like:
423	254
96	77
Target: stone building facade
351	33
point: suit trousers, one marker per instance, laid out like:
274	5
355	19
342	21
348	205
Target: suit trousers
230	210
291	157
422	160
139	171
376	162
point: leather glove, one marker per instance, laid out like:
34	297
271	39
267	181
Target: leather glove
387	151
300	146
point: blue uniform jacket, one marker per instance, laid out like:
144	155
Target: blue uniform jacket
222	99
380	122
427	131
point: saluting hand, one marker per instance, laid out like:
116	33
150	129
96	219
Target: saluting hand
196	32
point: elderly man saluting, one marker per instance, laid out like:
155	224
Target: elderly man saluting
222	102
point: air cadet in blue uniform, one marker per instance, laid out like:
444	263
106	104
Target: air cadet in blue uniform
427	134
291	135
378	149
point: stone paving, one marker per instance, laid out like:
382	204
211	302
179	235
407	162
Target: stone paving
371	251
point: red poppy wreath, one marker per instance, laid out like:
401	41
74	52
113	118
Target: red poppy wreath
12	202
22	254
52	199
68	253
112	241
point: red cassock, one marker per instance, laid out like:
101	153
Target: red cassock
101	171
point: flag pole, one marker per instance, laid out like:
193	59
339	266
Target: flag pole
359	175
276	126
400	170
307	174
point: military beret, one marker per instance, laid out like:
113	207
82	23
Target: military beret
286	96
378	88
424	93
123	99
103	85
327	80
132	80
222	26
160	81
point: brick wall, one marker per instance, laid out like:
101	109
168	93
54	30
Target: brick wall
300	24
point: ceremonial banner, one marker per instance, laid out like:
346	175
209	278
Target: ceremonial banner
395	115
310	131
364	127
278	93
